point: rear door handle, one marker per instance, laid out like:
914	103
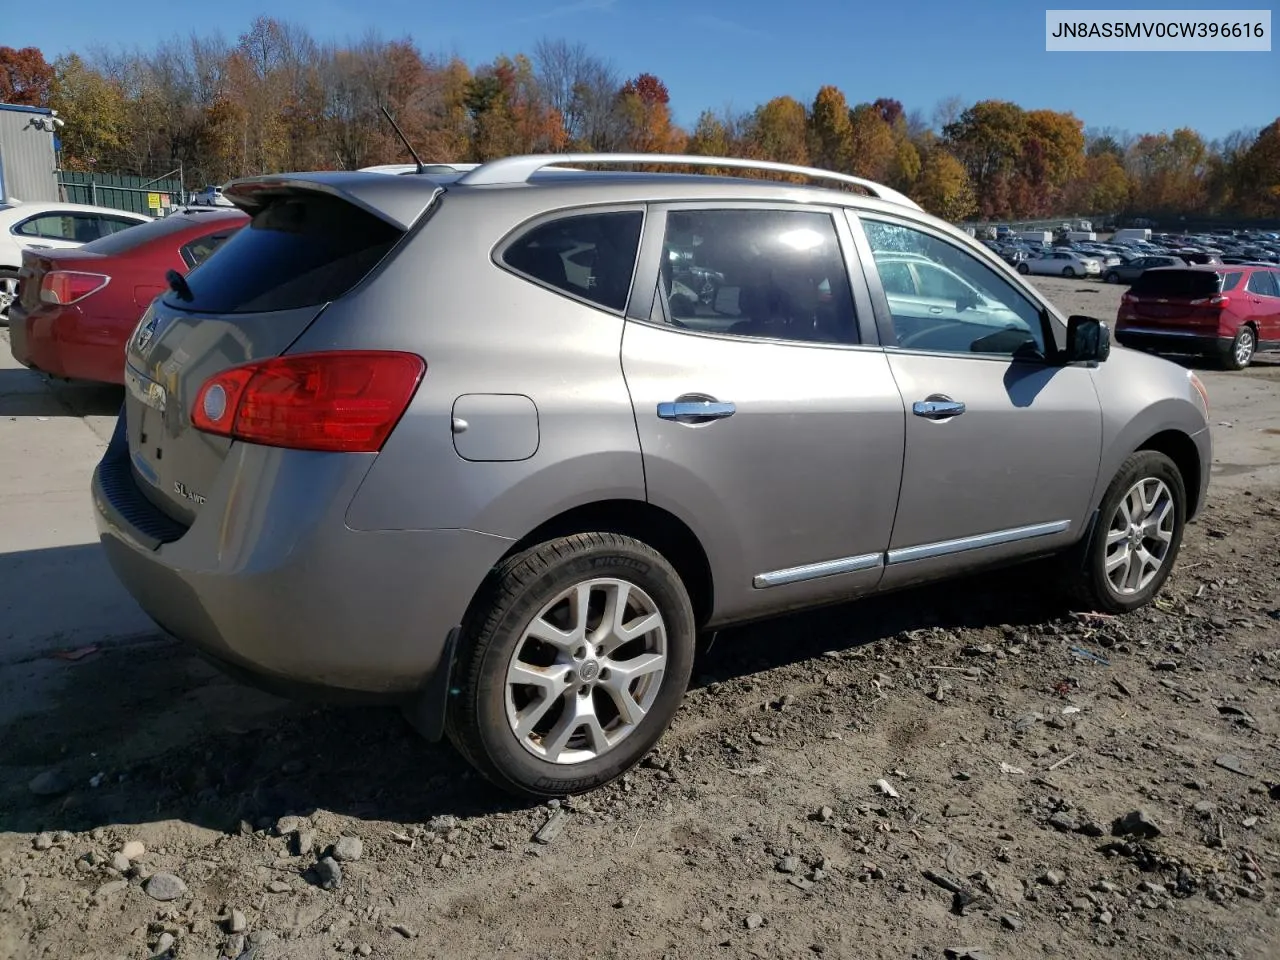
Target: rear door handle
937	408
691	410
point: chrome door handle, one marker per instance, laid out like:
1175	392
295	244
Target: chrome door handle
695	411
937	408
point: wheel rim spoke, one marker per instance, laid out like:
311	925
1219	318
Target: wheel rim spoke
567	651
1139	536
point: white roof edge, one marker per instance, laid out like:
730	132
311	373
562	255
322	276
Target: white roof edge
520	169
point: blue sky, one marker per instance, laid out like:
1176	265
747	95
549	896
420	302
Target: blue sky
739	53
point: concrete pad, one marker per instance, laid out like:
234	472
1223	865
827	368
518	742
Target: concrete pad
56	589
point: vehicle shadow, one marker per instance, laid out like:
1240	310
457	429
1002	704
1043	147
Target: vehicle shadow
26	393
164	736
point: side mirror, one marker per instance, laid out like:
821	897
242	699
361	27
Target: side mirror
1088	340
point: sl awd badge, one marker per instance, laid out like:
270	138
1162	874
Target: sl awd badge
181	490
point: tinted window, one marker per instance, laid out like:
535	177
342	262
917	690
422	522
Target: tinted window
197	251
757	273
121	242
591	256
1177	283
300	251
1231	280
969	309
113	225
1263	283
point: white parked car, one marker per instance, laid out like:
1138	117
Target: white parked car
1061	263
35	226
211	196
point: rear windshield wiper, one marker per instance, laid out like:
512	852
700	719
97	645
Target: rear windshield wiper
178	284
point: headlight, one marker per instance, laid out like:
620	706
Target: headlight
1200	389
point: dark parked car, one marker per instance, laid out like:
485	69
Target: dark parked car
1131	271
76	308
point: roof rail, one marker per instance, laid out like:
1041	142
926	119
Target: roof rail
519	169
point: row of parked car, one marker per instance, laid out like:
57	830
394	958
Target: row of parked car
1123	261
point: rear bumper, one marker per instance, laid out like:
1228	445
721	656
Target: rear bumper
271	584
1165	341
63	342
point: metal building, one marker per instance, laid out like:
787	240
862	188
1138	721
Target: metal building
28	157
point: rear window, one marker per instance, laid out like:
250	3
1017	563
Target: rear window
1189	284
300	251
124	241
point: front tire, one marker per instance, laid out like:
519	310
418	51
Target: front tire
1023	269
1068	272
1135	543
1112	277
571	664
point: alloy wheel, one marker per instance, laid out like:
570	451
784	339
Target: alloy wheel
586	671
1244	347
8	294
1139	536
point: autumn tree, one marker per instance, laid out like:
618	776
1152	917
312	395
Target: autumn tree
96	108
583	89
943	187
779	132
987	140
873	146
1258	174
831	133
644	106
25	78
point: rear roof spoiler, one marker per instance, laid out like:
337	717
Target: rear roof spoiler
399	201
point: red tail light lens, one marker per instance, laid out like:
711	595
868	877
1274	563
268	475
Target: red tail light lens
70	286
343	400
1216	301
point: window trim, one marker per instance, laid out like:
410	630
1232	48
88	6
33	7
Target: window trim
1053	326
524	227
645	289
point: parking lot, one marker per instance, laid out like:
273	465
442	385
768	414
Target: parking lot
1009	732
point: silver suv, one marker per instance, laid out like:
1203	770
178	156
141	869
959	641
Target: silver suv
497	444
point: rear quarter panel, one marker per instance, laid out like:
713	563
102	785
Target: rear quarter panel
483	330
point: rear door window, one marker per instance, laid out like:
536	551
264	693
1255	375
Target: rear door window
590	256
1263	283
302	250
51	226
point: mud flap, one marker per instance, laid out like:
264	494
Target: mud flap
426	710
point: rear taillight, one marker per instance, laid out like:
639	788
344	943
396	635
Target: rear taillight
1215	301
341	400
70	286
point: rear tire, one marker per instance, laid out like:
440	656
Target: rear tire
1112	277
1240	354
1136	541
593	700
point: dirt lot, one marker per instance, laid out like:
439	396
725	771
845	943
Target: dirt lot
936	774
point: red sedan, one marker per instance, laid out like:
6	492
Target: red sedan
76	308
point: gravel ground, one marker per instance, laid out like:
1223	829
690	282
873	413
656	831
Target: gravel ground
966	770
